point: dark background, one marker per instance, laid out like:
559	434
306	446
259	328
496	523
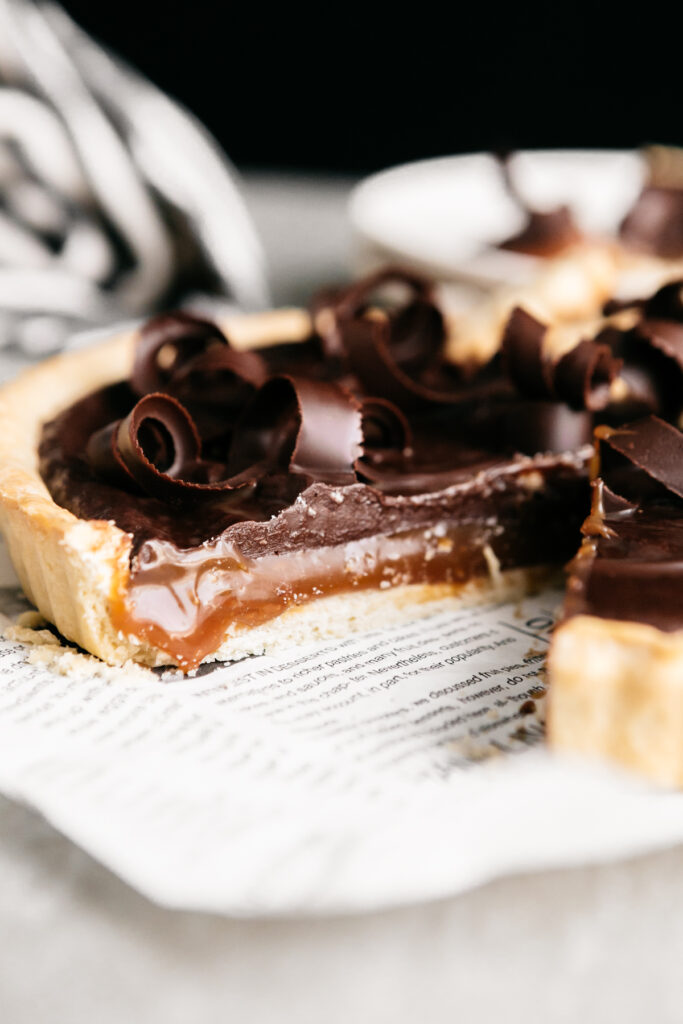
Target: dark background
345	90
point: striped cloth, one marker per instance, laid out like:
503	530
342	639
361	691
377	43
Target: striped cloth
114	201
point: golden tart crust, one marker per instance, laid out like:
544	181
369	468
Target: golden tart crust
616	692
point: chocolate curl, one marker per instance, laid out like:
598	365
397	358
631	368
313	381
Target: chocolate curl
157	441
403	344
522	355
652	355
310	428
157	446
173	347
387	441
651	445
367	344
384	426
652	352
581	378
219	377
351	301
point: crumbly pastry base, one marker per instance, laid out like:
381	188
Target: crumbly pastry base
70	568
616	692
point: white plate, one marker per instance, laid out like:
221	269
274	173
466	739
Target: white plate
446	215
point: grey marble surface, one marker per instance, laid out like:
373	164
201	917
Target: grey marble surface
77	945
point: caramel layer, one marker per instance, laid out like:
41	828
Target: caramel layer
186	609
187	601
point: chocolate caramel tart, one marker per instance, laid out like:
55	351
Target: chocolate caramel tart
616	660
171	497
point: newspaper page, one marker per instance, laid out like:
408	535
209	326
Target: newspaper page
399	765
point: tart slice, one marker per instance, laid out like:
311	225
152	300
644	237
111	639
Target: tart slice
172	496
616	661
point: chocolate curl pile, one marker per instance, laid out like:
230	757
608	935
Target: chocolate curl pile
396	355
581	378
308	429
647	356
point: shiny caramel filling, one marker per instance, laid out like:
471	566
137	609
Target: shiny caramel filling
186	603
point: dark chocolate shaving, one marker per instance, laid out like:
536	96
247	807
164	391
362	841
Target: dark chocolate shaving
254	425
385	426
652	370
581	378
387	442
351	301
651	445
418	323
308	428
652	353
217	425
522	355
174	347
396	353
368	350
311	428
159	445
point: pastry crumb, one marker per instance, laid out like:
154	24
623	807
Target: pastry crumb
45	648
31	620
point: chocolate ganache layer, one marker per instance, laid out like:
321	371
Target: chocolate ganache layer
358	458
